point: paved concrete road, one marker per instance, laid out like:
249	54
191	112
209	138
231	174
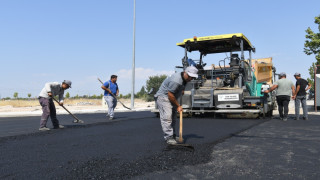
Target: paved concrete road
128	147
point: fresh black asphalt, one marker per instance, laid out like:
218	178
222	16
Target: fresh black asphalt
132	146
271	150
128	146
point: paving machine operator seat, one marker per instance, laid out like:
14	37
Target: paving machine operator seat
234	61
232	79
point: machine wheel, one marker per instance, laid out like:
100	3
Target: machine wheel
269	113
275	106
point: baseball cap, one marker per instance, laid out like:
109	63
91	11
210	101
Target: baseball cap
296	74
192	71
67	82
282	74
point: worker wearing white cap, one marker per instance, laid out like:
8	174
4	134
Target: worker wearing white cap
170	90
285	89
50	90
302	86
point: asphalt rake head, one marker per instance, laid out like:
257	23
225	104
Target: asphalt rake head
78	121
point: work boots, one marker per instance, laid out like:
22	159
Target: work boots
171	141
44	129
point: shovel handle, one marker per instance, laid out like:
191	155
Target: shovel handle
180	129
66	109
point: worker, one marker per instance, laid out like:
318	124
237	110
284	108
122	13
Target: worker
50	90
285	89
191	63
111	90
302	86
166	98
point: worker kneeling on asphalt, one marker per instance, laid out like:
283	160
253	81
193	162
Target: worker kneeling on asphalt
50	90
170	90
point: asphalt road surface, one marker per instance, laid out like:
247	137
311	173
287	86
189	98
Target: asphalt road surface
132	147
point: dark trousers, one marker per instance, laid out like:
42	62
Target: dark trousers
283	105
48	109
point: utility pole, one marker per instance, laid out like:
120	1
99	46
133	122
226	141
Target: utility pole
133	58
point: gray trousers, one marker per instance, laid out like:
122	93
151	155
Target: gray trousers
48	109
112	103
168	116
303	101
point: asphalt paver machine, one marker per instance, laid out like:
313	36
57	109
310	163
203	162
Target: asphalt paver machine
229	87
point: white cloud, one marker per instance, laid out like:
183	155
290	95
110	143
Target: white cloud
141	76
89	85
141	73
83	84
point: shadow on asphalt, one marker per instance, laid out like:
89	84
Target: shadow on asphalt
277	138
192	136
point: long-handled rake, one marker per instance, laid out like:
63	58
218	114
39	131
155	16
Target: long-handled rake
116	97
76	120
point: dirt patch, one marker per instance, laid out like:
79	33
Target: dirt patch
72	105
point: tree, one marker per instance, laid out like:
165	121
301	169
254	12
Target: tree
154	82
312	46
128	96
94	97
67	95
311	73
15	95
29	95
142	93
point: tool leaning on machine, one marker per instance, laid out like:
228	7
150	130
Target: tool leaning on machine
116	97
76	120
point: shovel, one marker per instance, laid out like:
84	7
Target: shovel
180	144
76	120
180	128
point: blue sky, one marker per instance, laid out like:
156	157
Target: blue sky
44	41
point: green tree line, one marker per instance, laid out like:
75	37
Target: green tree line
146	92
312	47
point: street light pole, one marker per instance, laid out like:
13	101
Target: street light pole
133	58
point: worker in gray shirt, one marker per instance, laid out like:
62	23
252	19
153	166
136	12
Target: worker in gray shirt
285	89
50	90
170	90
